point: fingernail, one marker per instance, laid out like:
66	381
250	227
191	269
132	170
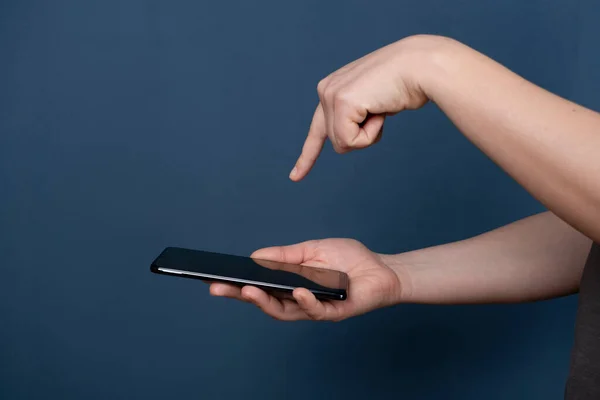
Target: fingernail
294	172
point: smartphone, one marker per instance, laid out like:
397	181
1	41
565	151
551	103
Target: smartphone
279	279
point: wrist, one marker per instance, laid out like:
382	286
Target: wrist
402	270
435	61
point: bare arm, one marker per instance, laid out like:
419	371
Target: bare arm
550	145
537	258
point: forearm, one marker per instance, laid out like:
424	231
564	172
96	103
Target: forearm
551	146
537	258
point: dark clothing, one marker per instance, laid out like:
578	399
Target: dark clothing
584	376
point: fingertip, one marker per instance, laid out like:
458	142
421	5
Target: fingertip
300	169
301	295
261	254
298	177
251	293
255	254
247	292
294	173
215	289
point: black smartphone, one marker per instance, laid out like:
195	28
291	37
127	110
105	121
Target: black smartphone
279	279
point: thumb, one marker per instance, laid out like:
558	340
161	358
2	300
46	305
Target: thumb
292	254
370	131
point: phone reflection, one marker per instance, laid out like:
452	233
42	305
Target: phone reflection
324	277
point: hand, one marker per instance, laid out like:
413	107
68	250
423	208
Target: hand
355	99
372	283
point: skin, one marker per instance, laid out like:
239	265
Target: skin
551	146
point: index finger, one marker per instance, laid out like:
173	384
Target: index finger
317	135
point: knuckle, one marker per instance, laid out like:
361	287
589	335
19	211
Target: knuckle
282	255
355	242
343	97
342	150
276	317
329	93
321	86
339	317
316	316
338	149
343	143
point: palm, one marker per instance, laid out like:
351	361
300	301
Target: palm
372	283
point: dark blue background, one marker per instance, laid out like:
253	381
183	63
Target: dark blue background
126	126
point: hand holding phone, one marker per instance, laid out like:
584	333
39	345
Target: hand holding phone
278	278
371	283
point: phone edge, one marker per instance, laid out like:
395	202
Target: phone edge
321	295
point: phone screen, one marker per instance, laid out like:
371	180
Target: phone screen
268	275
